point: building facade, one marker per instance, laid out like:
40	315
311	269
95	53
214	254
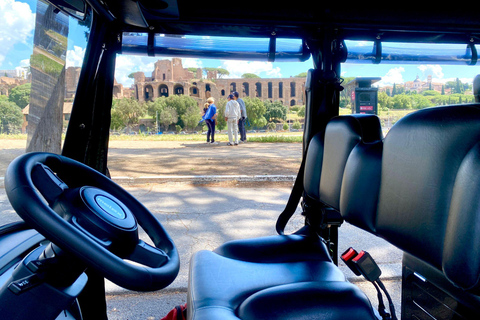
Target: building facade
170	78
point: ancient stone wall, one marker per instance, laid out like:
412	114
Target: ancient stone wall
290	91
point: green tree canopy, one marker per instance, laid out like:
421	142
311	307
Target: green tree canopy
11	117
220	71
126	113
275	111
168	116
301	75
191	117
221	122
250	76
20	95
255	112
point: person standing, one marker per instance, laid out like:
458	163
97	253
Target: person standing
232	115
243	117
210	117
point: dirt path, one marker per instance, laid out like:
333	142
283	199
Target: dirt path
153	158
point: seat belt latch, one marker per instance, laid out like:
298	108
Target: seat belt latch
367	266
347	258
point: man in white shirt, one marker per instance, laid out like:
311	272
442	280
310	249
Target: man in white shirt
243	117
232	115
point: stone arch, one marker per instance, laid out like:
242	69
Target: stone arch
292	89
258	89
246	89
178	89
292	102
116	91
194	92
163	90
233	86
148	93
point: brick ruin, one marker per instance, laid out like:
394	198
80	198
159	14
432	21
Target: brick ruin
169	77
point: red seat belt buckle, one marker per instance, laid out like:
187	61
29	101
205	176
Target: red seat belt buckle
367	266
347	257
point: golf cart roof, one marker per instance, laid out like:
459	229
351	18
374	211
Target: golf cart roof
277	32
302	19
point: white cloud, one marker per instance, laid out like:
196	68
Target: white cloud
392	76
126	64
192	63
435	71
14	16
75	57
238	68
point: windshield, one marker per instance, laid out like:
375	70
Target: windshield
163	96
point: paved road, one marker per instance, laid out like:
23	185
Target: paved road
199	217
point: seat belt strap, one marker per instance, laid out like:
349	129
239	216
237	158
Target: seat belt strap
293	200
363	264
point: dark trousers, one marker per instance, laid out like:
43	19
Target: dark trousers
211	129
241	129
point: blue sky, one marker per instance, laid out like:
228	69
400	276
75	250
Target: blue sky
16	47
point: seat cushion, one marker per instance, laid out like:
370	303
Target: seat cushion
218	285
332	300
275	249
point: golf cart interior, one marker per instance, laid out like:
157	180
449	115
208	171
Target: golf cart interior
416	186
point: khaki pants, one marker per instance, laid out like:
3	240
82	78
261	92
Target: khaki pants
232	126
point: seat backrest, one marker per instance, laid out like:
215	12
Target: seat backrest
361	181
342	135
430	181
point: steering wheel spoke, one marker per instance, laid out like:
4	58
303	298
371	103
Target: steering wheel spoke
47	183
148	255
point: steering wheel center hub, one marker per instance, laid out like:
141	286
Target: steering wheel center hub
110	207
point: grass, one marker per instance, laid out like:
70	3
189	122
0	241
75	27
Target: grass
287	137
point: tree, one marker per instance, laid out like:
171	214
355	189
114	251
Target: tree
271	126
221	123
181	103
11	117
402	101
156	106
297	125
421	102
301	111
191	117
255	112
384	101
168	116
250	76
275	111
126	113
302	75
220	71
20	95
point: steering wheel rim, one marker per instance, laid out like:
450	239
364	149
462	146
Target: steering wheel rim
21	186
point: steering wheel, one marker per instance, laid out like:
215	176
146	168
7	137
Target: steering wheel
87	214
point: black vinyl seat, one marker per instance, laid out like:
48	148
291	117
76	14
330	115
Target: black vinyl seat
429	208
244	279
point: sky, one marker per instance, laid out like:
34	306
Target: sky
16	48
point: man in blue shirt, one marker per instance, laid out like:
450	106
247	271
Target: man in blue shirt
243	117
